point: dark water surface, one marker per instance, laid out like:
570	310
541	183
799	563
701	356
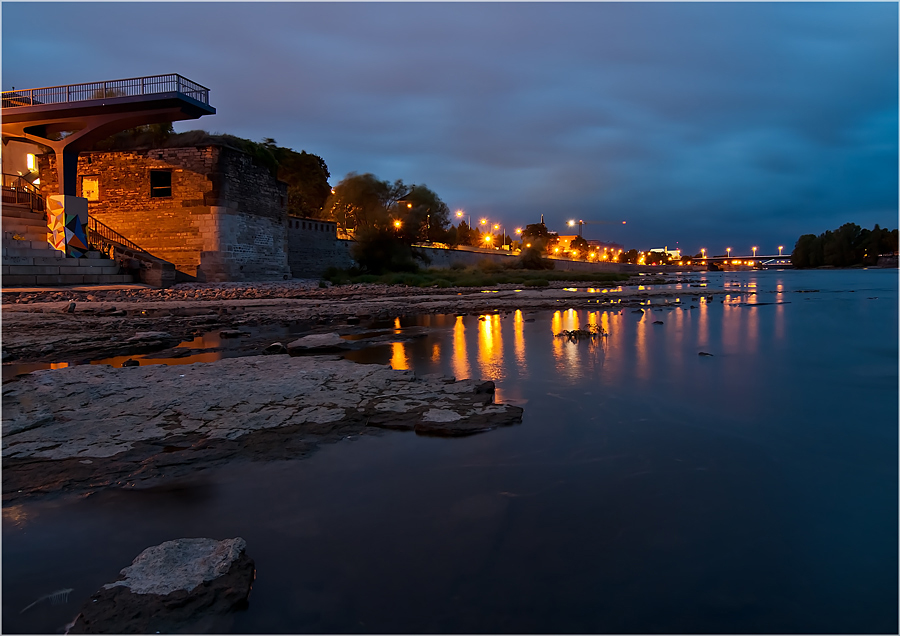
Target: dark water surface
648	489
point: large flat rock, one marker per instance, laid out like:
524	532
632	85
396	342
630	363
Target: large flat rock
154	420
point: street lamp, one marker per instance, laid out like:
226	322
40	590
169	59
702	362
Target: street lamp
397	224
754	252
703	252
780	247
728	249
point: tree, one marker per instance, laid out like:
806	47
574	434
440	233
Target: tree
307	178
362	202
424	214
580	245
656	258
631	256
844	247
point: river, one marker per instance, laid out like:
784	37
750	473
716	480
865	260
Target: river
648	488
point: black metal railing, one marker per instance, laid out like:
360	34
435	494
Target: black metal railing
18	191
105	239
150	85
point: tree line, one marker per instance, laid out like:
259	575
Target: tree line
846	246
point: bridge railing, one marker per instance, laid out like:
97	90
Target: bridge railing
149	85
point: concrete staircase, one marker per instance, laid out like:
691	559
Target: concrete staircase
30	261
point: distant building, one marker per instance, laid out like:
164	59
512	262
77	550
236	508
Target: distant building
674	254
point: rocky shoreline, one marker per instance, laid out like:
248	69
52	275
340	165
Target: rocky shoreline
45	327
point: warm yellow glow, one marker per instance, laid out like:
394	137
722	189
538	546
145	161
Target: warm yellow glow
397	224
518	230
398	356
59	365
31	162
591	255
484	221
459	214
528	245
397	323
605	256
519	342
575	253
496	226
488	238
490	346
460	361
556	250
571	223
409	205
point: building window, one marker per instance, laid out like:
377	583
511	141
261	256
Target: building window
160	183
90	188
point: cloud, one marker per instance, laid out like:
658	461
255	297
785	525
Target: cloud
699	121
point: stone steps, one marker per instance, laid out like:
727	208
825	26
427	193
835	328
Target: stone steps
30	248
10	223
33	280
11	211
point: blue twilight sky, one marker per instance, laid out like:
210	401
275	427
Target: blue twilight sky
707	124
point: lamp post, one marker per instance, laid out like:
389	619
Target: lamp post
703	252
754	251
780	247
728	249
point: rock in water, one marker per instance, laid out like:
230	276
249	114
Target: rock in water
318	343
276	348
180	586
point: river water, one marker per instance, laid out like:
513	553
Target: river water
648	489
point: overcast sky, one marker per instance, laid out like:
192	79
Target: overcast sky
708	124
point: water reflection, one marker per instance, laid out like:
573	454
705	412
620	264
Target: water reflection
460	356
490	346
519	336
398	356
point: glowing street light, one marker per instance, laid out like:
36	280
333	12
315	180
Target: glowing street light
484	221
728	249
703	251
780	247
754	252
397	224
518	230
488	239
460	214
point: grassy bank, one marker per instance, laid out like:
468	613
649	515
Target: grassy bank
472	277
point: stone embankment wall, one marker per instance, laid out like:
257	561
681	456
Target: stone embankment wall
313	247
224	220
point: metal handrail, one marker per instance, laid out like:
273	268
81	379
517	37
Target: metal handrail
149	85
105	238
18	191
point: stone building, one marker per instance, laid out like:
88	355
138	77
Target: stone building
212	210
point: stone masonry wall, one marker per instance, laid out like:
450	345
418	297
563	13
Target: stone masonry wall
313	247
225	220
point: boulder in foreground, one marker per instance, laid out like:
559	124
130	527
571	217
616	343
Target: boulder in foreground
180	586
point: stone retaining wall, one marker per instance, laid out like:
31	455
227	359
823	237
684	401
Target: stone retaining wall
313	247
